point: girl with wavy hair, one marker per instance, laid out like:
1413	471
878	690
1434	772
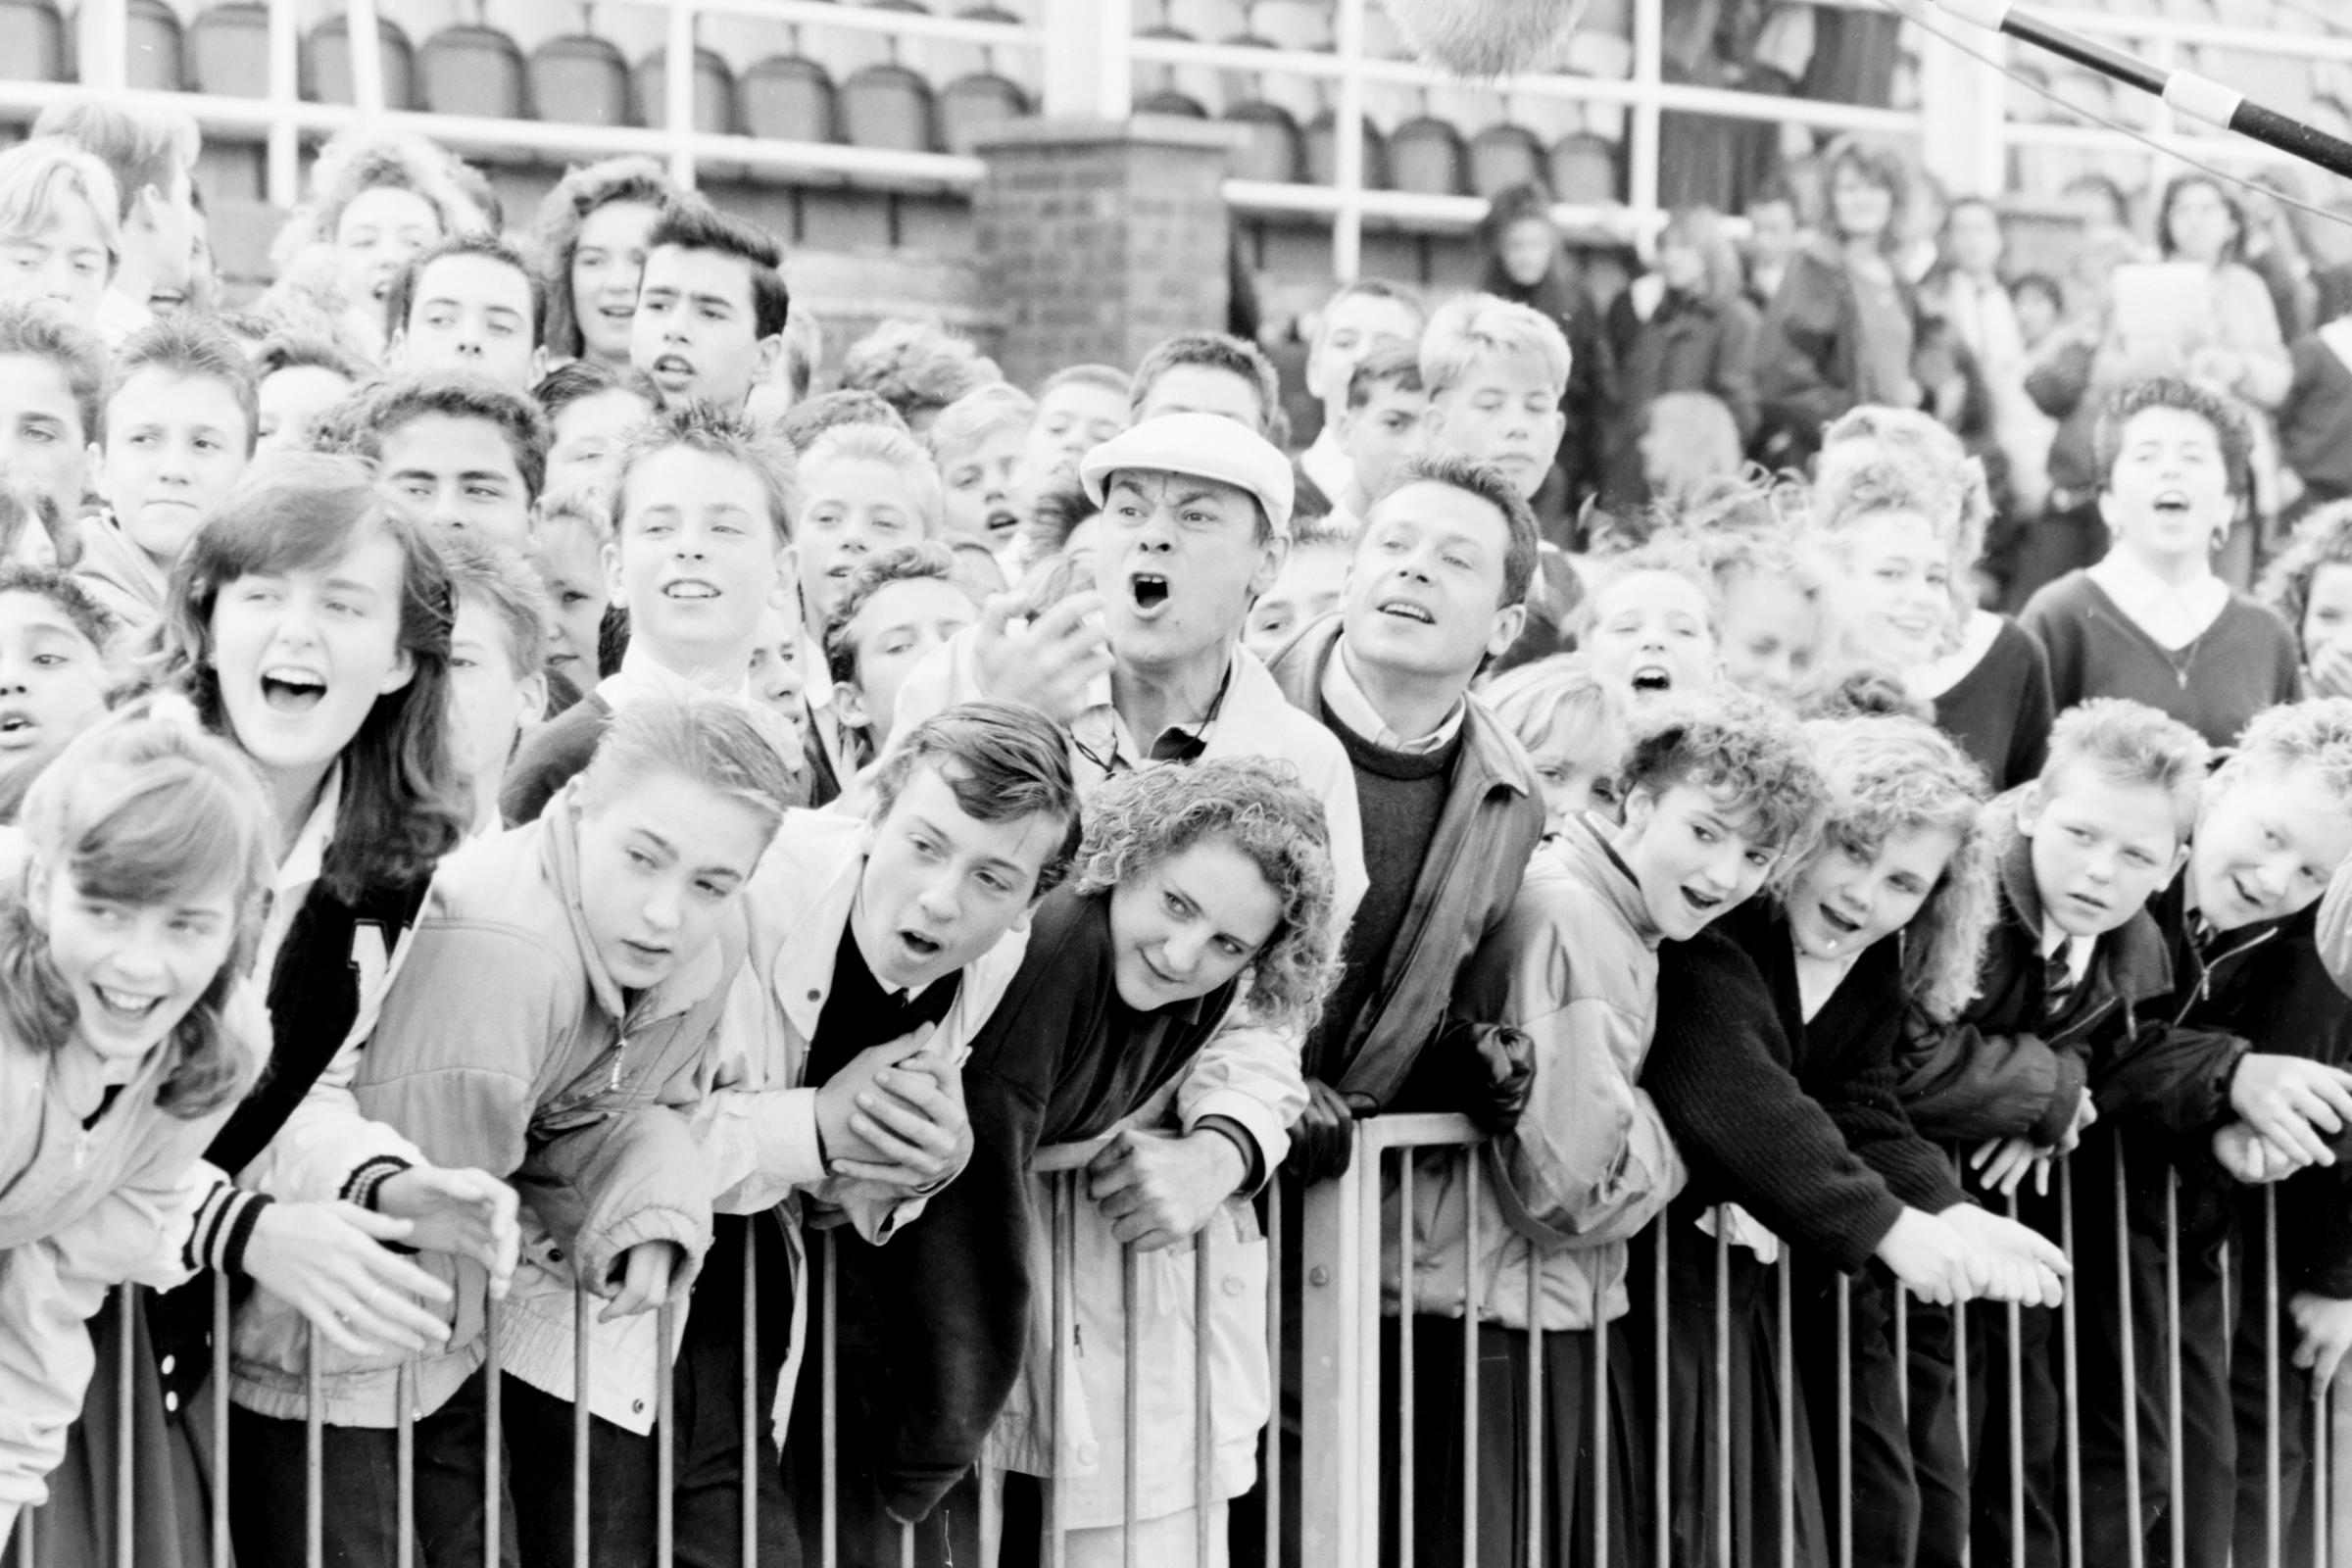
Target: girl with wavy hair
589	240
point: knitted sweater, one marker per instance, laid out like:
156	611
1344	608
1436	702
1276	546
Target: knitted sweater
2244	662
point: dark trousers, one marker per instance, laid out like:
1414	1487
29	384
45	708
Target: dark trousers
360	1493
706	1408
1867	1485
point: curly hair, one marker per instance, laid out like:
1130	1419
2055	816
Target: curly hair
143	808
1875	459
555	237
1672	554
72	599
1887	775
1745	749
2313	733
1138	819
916	367
356	160
2217	408
2324	538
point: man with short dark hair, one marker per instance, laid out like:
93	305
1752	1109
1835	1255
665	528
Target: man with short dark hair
711	308
470	303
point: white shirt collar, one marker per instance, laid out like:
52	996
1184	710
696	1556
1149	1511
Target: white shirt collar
298	871
1352	708
1327	464
2078	949
2175	615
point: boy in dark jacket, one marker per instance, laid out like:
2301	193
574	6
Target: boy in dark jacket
2079	852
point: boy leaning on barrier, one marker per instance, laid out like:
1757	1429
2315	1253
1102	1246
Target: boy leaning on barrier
2073	953
2233	1075
1718	787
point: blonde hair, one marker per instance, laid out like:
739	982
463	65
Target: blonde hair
1560	695
2315	733
1473	328
1887	775
37	175
2131	743
969	422
894	448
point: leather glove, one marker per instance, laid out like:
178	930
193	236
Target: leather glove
1323	1138
1492	1071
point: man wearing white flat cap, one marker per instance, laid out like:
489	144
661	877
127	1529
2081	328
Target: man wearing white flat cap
1148	669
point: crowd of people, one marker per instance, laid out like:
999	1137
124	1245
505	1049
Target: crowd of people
540	817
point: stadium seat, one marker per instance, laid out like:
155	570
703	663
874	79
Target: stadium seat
579	80
1202	84
713	92
786	98
1271	149
1425	158
1467	108
1503	156
1292	24
1208	19
1584	170
1323	153
1168	101
228	51
952	61
888	107
529	23
326	64
974	107
32	41
158	52
472	71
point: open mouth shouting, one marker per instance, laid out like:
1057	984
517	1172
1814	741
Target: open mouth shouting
2172	504
1649	678
922	947
293	689
1148	590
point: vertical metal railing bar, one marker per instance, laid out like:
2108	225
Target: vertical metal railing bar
2070	1402
1274	1476
747	1518
1535	1407
1722	1488
2016	1372
2129	1391
1902	1347
1470	1201
1603	1472
1203	1434
679	82
2322	1473
1784	1382
666	1433
1364	1173
126	1301
2176	1516
1130	1401
905	1545
829	1465
366	56
1661	1393
1348	127
1406	1455
1065	1258
1959	1311
24	1552
2272	1534
1845	1425
313	1452
579	1424
404	1464
493	1434
221	1458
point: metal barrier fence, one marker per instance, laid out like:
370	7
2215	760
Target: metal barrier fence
1362	1473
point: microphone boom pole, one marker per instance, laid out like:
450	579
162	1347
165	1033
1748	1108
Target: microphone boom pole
2196	96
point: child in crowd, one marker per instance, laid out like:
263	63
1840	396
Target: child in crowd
456	452
52	394
591	407
1649	625
1775	624
590	241
299	378
711	312
779	675
1308	588
1776	1037
895	608
1207	373
180	427
1891	486
1688	441
470	303
1378	429
1574	726
2072	954
2308	586
377	201
1202	894
1717	786
977	443
57	208
918	369
151	155
2152	622
1496	372
55	638
497	665
701	546
569	551
1078	408
132	895
865	489
595	950
1361	319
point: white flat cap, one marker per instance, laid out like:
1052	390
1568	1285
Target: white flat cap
1208	446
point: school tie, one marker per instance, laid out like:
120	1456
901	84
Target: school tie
2057	979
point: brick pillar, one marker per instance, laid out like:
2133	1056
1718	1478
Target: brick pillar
1097	240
